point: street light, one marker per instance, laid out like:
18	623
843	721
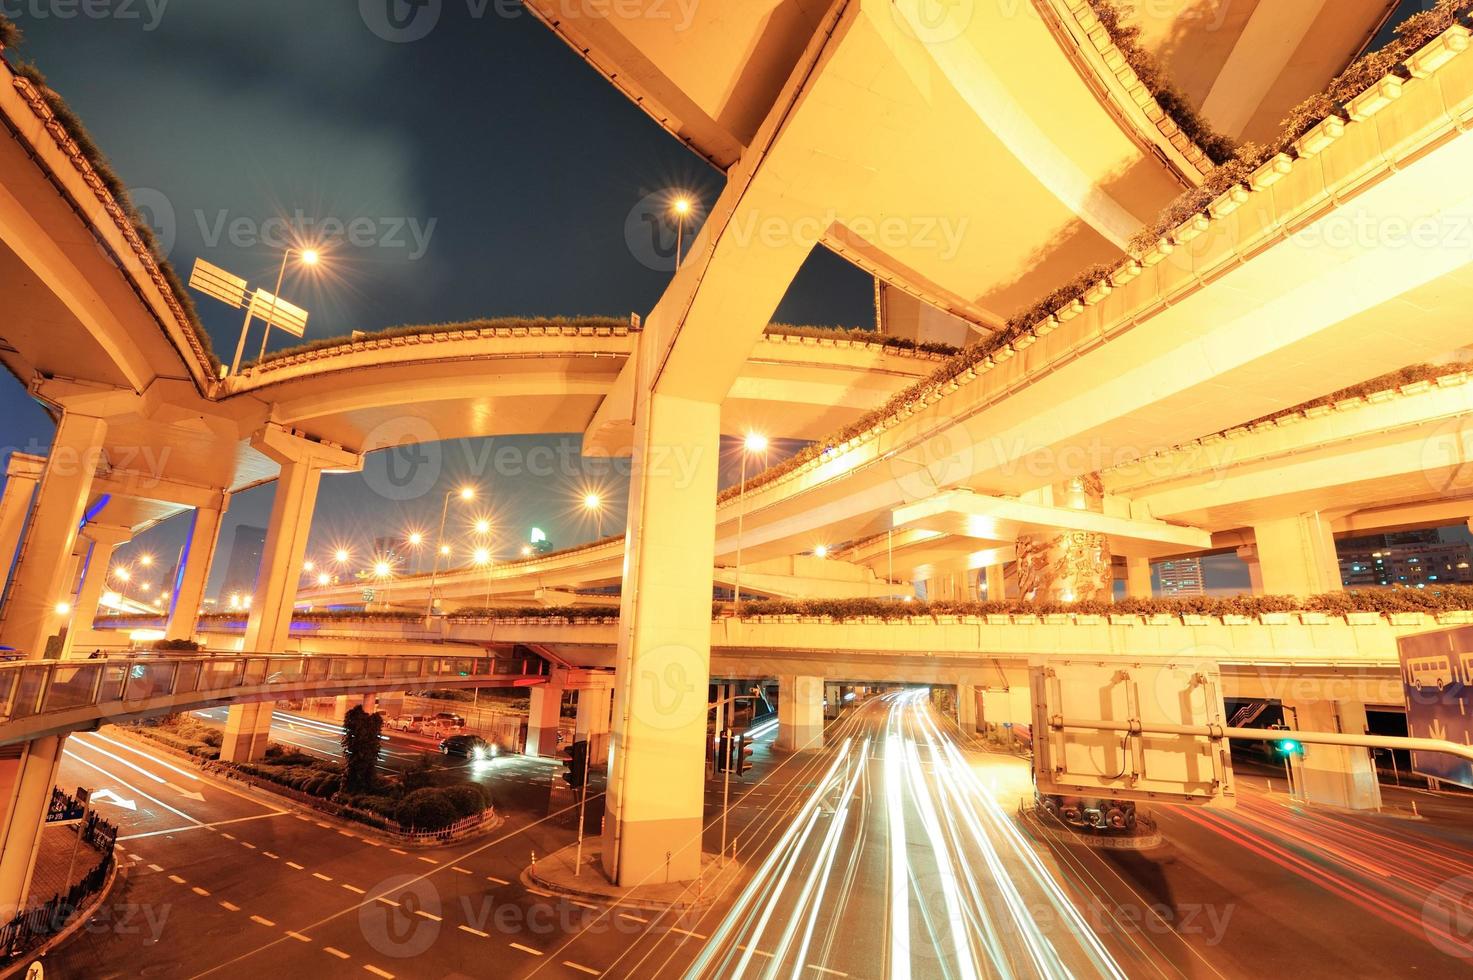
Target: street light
123	575
594	504
681	207
482	526
416	541
341	556
481	558
231	290
465	494
145	560
383	571
754	444
821	551
324	579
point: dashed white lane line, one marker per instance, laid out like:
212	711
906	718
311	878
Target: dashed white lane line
355	889
387	901
176	879
299	937
293	864
246	843
230	906
585	905
581	968
372	843
377	972
427	915
258	920
320	876
526	949
459	869
633	918
225	835
497	881
429	860
154	867
200	892
347	833
474	932
334	951
324	826
274	857
687	932
824	969
398	851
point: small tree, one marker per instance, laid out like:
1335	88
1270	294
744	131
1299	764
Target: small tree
361	748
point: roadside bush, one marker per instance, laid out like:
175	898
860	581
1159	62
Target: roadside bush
426	809
467	799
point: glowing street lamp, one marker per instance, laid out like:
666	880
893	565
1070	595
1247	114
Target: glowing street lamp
231	290
594	504
145	560
123	575
383	571
341	556
324	579
681	208
309	566
754	445
821	551
481	558
482	526
465	494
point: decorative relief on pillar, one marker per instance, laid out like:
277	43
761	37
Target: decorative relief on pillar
1070	567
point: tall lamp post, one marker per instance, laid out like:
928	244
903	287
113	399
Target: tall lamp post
383	572
754	445
309	257
481	558
441	549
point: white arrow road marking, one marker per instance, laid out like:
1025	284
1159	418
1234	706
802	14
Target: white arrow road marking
189	794
108	796
134	789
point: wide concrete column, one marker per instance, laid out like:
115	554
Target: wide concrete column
1249	555
656	787
1330	774
31	615
799	713
1138	578
543	720
966	707
105	538
997	583
1066	567
247	732
26	781
194	571
595	716
1297	556
22	475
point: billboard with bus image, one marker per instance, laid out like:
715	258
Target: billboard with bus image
1437	680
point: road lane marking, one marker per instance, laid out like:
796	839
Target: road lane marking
371	843
387	901
262	922
583	904
197	825
428	915
154	867
273	857
246	843
131	788
200	892
581	968
525	949
397	851
475	932
223	834
347	833
176	879
635	918
459	869
230	906
687	932
355	890
377	972
824	969
293	864
334	951
320	876
429	860
495	880
299	937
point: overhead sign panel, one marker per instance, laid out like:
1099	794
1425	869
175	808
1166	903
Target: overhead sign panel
1437	680
215	282
278	313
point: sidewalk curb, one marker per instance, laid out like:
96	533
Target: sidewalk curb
79	919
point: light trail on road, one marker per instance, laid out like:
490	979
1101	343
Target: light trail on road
938	880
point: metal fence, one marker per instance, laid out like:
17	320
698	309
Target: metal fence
34	926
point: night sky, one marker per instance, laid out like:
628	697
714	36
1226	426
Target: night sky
484	171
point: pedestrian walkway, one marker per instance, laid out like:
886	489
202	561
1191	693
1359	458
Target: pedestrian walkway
53	860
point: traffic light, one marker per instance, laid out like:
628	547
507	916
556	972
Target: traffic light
743	754
575	763
1289	746
723	751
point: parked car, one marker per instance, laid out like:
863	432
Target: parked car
409	723
470	746
449	719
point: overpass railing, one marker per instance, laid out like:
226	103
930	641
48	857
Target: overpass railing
32	688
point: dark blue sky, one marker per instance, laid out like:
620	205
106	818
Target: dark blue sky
482	170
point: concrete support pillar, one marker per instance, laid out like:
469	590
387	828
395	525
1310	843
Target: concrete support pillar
966	708
343	703
26	781
1343	777
1249	554
106	539
194	571
656	788
997	583
21	477
1067	567
31	615
247	732
595	714
1138	578
1297	556
799	713
543	721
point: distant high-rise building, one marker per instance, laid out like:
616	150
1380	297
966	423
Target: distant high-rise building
245	563
1181	577
1405	559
